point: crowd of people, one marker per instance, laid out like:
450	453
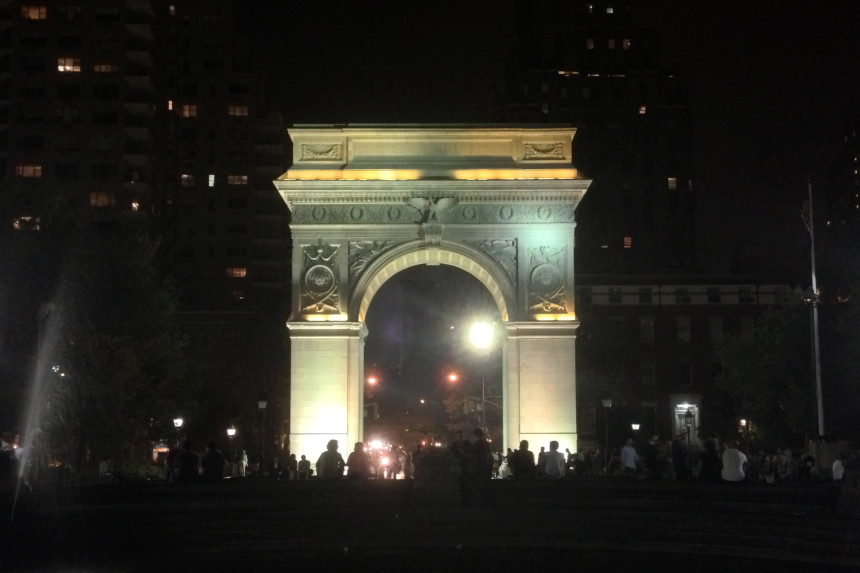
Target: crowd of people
472	463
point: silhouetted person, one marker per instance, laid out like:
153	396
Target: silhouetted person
304	468
680	459
358	463
293	467
541	460
185	466
479	471
522	462
212	464
554	462
710	463
330	463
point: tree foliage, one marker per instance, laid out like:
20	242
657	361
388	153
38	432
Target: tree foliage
119	354
766	378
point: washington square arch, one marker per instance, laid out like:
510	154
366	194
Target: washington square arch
368	201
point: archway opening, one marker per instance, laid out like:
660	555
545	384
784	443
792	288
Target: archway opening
424	378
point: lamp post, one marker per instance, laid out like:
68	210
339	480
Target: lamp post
688	423
607	406
262	402
481	337
177	423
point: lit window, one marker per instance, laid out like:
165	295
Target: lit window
211	180
68	64
33	170
625	43
135	206
643	109
589	43
237	180
187	180
237	110
628	242
611	43
170	105
171	10
30	12
237	272
105	68
610	10
102	199
671	183
189	110
26	223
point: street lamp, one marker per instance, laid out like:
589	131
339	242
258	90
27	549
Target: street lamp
262	402
481	336
688	423
177	423
607	406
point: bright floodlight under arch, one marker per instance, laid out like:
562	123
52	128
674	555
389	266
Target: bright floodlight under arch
481	335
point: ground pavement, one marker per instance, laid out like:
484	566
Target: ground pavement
589	524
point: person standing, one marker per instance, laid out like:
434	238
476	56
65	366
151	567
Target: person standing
304	468
554	462
522	462
330	463
358	464
734	463
629	459
839	468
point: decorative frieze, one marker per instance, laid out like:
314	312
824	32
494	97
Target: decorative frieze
554	150
445	211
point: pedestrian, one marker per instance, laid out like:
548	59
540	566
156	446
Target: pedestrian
540	461
185	467
479	471
358	464
330	463
839	468
734	463
522	462
554	462
680	459
243	463
212	464
304	468
293	467
710	463
629	459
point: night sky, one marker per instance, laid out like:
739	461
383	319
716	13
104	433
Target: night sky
771	84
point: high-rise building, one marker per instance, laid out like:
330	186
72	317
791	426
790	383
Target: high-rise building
148	109
152	111
587	63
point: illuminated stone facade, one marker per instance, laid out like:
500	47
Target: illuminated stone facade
370	201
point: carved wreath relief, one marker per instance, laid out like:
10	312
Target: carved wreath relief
320	292
321	152
546	280
543	151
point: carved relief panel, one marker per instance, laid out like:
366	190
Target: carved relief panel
320	289
546	280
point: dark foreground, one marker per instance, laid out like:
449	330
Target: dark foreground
580	524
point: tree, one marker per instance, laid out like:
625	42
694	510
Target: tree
119	352
765	378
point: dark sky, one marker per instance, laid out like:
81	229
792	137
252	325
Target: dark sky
771	84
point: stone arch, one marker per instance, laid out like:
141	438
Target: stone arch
367	202
413	253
